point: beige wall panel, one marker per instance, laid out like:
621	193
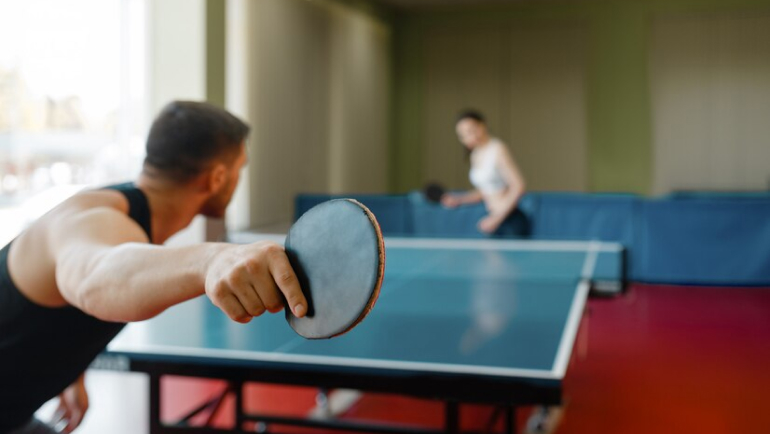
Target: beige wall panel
466	68
317	89
360	106
177	52
548	107
237	91
710	81
529	82
289	106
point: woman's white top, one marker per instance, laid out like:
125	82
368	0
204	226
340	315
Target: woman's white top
484	174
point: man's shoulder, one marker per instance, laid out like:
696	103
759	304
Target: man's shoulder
96	198
95	215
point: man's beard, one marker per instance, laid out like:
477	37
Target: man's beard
216	206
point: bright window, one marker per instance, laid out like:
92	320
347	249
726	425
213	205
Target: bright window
72	101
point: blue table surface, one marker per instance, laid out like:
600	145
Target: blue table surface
485	308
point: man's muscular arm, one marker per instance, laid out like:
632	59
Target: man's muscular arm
105	267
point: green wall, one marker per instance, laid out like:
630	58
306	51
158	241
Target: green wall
618	98
215	51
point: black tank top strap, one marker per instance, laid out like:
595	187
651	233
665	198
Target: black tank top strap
138	205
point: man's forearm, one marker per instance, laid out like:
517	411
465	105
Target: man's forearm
135	281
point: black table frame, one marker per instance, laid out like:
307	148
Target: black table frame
505	393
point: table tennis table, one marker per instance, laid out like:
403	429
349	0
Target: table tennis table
462	321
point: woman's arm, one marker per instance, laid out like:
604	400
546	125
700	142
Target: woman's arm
508	168
453	200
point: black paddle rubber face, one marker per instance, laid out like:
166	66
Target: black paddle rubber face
337	251
433	192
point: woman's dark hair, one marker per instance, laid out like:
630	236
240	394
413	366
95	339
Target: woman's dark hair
471	114
187	136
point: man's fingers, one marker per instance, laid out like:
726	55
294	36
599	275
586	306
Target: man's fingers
257	285
74	421
246	293
250	301
263	286
62	417
287	282
58	415
231	306
268	292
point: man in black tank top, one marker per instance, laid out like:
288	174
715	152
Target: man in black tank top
70	282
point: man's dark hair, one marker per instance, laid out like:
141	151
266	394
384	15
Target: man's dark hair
471	114
187	136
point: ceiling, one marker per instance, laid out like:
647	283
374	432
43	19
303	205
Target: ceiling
410	4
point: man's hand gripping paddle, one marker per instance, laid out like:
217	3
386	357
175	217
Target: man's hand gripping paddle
337	251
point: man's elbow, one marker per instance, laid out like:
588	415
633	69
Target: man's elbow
75	293
88	299
97	302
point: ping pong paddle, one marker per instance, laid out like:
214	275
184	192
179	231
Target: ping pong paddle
433	192
338	254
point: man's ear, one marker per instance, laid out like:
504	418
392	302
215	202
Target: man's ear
217	177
